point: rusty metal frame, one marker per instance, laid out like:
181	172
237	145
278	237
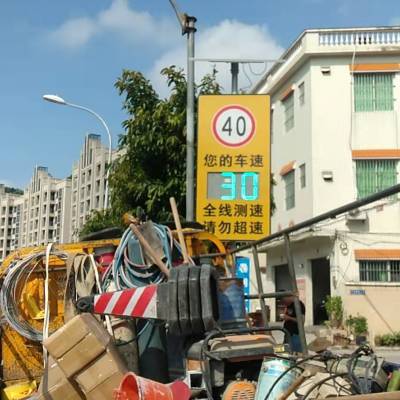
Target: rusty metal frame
285	234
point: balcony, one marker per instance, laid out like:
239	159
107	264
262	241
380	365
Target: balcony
315	42
385	36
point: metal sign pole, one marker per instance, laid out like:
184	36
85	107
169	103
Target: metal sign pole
190	151
235	77
260	289
297	307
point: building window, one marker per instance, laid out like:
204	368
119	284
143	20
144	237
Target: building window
302	98
289	190
375	175
373	92
303	175
288	105
380	271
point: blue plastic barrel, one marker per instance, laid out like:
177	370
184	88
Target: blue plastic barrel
232	312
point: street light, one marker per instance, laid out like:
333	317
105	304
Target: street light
188	25
59	100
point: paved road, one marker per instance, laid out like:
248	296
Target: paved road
390	355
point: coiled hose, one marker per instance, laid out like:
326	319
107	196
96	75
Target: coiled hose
126	274
18	275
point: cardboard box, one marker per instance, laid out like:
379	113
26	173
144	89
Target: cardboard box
103	376
83	353
69	335
77	343
55	385
105	391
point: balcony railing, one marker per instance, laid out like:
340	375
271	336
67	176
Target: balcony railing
360	38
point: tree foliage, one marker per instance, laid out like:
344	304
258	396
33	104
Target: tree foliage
99	220
151	168
13	190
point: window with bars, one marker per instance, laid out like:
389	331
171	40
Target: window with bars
290	199
379	270
373	92
375	175
288	105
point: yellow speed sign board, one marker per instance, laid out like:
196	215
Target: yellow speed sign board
233	166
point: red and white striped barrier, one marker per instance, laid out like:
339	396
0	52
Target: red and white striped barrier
138	303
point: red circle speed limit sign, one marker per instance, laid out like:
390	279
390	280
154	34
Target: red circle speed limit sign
233	126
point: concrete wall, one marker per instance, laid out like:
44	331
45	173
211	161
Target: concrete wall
379	305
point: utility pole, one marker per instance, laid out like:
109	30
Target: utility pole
188	25
190	123
235	76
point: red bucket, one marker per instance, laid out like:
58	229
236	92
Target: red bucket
134	387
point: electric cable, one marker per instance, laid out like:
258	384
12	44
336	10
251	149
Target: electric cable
292	367
11	291
321	382
131	271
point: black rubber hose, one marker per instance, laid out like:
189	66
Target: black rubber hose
296	365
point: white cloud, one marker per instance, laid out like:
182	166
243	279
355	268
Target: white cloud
120	19
228	39
74	33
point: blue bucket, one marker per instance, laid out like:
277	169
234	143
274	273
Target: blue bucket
231	304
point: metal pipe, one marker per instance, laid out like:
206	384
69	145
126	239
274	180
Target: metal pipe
190	134
273	295
260	285
327	215
297	306
373	396
235	77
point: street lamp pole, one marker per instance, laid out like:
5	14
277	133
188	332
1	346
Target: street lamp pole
188	25
61	101
190	123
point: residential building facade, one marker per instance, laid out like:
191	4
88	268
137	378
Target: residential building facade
10	218
52	209
88	182
336	138
45	201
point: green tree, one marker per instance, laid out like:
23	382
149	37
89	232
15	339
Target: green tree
100	220
152	166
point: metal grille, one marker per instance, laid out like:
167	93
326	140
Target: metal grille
395	271
380	271
289	190
288	104
373	92
375	175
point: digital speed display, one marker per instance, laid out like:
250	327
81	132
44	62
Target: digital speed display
231	186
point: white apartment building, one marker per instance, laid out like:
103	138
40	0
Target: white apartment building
335	138
88	182
10	212
46	207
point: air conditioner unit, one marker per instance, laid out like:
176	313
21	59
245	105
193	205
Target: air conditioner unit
356	215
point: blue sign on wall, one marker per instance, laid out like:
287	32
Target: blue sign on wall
357	292
243	272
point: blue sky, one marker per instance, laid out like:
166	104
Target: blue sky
78	48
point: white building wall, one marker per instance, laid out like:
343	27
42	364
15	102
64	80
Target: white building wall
326	132
293	145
